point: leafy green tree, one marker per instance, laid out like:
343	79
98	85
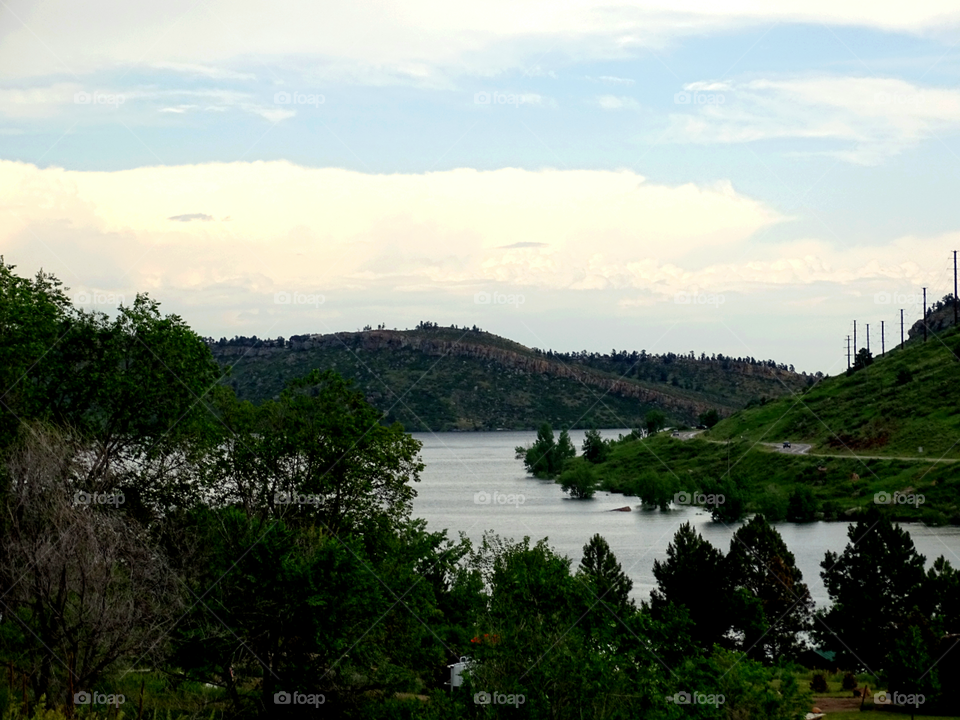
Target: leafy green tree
601	569
709	418
760	564
318	454
873	584
579	480
733	504
563	452
803	505
655	421
595	449
34	315
654	489
547	456
911	669
695	577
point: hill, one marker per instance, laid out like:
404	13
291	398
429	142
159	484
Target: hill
903	401
434	378
891	426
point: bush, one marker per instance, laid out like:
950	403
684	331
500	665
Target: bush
803	505
904	376
579	481
849	681
819	683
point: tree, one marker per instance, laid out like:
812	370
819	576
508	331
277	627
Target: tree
546	457
595	449
709	418
316	455
873	584
83	587
803	505
600	568
910	668
654	489
760	564
695	577
579	481
655	421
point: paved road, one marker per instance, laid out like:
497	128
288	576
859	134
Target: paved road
794	449
804	449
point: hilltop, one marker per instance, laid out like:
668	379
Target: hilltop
448	378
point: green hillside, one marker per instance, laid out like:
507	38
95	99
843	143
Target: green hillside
434	378
905	400
866	429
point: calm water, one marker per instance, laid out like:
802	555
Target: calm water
459	466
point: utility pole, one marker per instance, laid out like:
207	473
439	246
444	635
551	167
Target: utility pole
956	301
901	327
854	338
924	314
883	342
868	337
848	352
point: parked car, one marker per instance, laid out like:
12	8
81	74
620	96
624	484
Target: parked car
786	444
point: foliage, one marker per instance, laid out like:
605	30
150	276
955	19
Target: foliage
819	683
760	564
709	418
546	457
655	421
594	447
579	481
803	506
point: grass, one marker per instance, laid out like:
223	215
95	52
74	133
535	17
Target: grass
874	411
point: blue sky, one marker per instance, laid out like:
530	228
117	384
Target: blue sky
777	168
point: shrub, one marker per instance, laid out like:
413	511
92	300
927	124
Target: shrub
849	681
819	683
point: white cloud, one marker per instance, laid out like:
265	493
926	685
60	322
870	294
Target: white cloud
419	39
614	102
440	232
876	117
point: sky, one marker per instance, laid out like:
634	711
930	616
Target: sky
744	178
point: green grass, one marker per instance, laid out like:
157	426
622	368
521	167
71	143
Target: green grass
870	412
768	478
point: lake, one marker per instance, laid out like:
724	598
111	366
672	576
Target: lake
470	477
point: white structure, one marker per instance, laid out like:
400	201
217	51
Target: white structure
456	671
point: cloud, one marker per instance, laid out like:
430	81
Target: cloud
191	216
613	102
613	80
875	117
411	41
523	245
